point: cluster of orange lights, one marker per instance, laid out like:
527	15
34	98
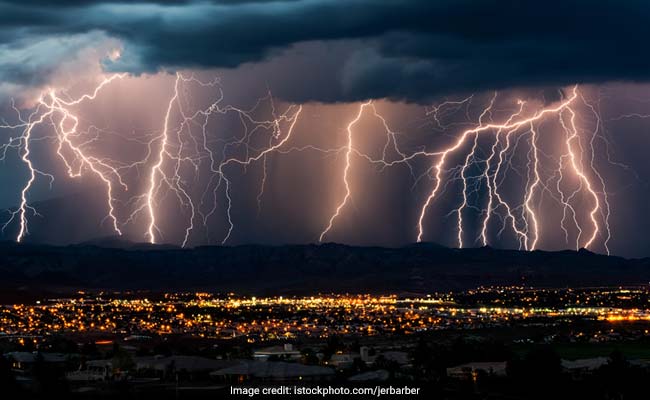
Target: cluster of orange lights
269	318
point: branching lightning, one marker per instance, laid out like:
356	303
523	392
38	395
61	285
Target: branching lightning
187	163
522	217
346	171
57	111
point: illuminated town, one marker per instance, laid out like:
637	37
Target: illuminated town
98	342
262	319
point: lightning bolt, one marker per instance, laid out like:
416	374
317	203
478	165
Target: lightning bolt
184	144
346	170
23	142
52	106
219	177
98	167
470	156
350	149
156	169
293	119
573	137
491	179
513	124
516	124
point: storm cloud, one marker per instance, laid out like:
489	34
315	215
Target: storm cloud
398	49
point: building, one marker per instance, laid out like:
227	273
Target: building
272	371
284	352
92	371
191	365
23	362
469	370
343	360
584	366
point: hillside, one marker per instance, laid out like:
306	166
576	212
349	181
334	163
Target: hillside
303	269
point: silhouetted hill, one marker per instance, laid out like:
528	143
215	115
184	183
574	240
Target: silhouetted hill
118	242
421	268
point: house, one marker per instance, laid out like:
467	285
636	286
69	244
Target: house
23	362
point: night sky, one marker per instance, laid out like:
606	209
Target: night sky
433	70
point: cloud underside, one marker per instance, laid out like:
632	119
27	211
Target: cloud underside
356	49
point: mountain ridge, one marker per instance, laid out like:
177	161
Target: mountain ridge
305	269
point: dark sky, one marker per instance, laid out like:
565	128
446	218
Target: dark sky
400	49
330	55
